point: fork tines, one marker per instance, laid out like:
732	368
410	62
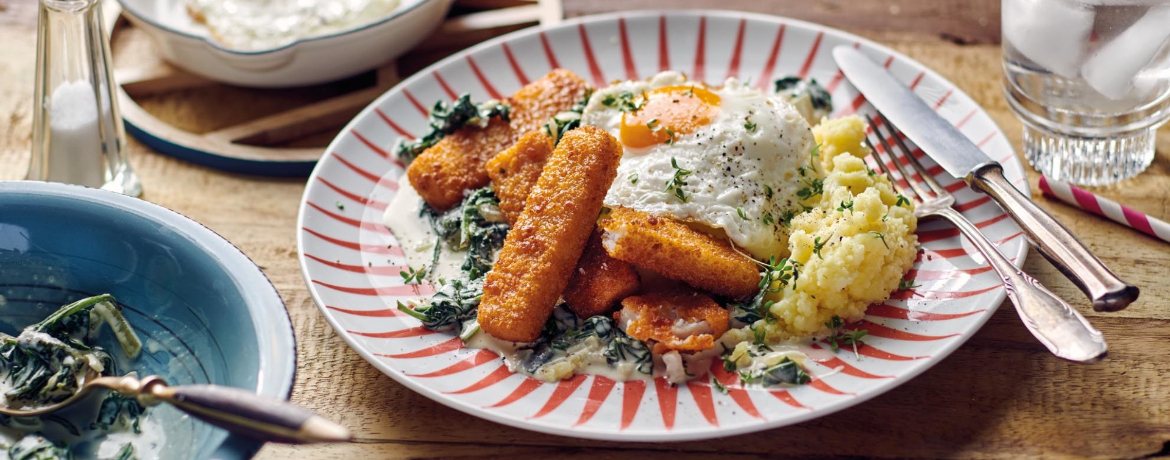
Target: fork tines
932	188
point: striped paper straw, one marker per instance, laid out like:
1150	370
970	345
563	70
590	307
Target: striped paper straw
1087	201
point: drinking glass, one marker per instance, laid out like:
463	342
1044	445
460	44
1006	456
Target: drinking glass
78	136
1090	79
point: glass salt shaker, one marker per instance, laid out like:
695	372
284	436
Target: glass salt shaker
78	136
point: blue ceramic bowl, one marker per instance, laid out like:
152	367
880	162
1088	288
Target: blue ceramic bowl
205	312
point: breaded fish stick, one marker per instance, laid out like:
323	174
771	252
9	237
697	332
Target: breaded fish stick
455	164
442	173
514	172
677	319
542	249
538	101
679	252
599	282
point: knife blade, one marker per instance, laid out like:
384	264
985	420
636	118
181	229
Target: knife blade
918	121
960	157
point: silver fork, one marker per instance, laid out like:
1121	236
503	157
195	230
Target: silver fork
1056	324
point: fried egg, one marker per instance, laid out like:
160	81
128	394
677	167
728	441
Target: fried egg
728	159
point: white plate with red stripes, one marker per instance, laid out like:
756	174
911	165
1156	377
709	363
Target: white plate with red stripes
351	263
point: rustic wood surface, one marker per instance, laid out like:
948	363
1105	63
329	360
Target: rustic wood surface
999	396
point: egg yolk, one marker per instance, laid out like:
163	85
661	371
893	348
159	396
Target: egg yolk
667	113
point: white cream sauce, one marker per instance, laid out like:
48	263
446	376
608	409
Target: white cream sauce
414	233
91	444
33	339
585	357
87	443
264	24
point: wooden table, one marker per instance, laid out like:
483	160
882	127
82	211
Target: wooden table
1000	395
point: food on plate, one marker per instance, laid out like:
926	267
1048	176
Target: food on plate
454	164
676	251
674	320
853	247
724	223
599	282
264	24
726	158
807	96
515	170
542	249
536	102
47	363
450	158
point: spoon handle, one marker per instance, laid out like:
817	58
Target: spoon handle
246	413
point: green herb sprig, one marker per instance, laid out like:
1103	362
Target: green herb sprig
655	126
676	183
786	371
719	386
907	284
787	216
812	187
624	101
413	276
837	337
818	245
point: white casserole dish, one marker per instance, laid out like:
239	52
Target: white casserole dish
305	61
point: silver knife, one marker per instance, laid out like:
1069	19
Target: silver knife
964	160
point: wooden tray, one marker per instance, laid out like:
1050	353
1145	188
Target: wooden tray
288	134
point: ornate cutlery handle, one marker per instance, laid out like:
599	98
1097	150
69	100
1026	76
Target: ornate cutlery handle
1055	323
232	409
1056	243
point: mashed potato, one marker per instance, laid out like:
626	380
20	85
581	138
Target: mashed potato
853	247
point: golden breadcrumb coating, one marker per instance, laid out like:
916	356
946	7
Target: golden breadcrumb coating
455	164
538	101
599	282
656	316
679	252
542	249
514	172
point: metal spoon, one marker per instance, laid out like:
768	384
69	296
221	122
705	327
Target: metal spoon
232	409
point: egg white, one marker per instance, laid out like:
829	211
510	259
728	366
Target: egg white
730	164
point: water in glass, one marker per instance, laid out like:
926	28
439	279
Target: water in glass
1091	81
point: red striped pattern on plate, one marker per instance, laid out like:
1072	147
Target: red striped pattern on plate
351	263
